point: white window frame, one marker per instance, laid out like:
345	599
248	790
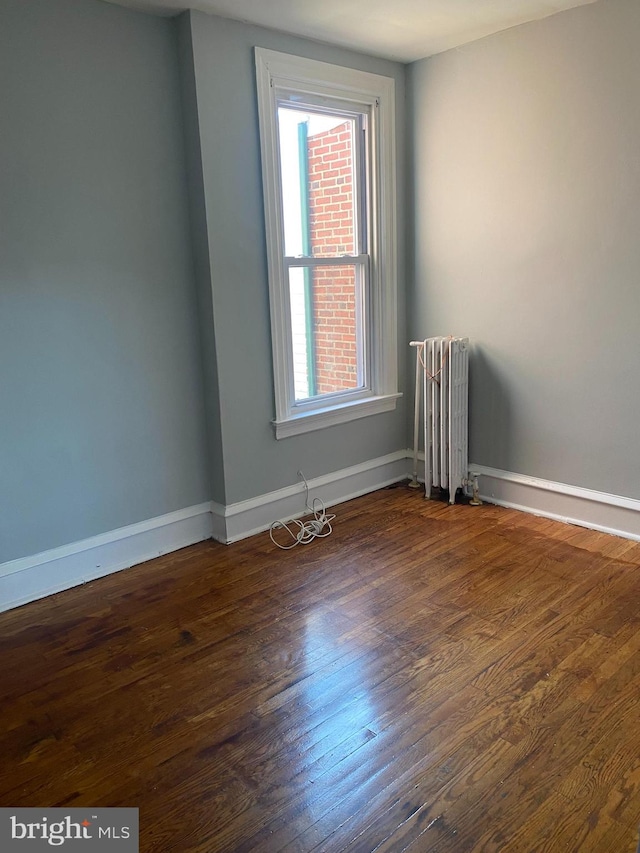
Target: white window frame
278	74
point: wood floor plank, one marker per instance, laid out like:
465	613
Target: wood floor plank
429	678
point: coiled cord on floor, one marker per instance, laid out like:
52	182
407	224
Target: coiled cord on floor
304	532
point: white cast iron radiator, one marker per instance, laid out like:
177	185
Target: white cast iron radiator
442	379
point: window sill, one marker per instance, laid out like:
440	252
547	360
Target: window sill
331	415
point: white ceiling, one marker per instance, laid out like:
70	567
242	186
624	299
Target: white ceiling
404	30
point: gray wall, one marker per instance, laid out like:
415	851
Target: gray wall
101	403
202	259
526	159
224	82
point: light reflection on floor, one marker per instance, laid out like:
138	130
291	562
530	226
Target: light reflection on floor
341	713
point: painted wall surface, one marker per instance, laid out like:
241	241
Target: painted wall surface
526	166
254	461
201	258
101	402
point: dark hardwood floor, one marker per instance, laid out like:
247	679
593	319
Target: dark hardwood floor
429	678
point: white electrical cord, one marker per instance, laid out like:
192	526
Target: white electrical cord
316	528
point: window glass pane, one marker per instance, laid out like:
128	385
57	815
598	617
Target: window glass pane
317	163
301	332
326	321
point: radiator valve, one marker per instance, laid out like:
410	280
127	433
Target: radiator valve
475	500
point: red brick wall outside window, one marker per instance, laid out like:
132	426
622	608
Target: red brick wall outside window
330	161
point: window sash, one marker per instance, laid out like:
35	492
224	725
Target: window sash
329	261
326	364
362	347
361	153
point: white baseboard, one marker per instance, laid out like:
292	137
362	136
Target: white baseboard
37	576
613	514
30	578
239	520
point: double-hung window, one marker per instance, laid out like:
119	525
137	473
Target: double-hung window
327	141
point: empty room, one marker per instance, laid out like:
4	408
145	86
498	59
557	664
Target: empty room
319	406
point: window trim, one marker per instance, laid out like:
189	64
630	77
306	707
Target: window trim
281	73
